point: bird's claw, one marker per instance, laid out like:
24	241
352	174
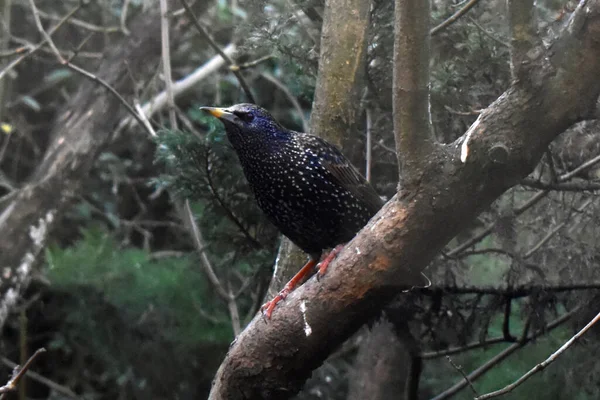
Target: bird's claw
267	308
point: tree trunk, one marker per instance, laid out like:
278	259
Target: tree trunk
382	366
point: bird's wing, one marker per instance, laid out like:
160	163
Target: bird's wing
332	159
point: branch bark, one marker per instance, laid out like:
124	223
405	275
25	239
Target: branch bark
272	359
412	120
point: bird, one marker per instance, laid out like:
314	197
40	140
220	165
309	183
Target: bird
306	187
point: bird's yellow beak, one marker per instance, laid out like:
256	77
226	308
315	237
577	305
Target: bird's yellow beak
220	113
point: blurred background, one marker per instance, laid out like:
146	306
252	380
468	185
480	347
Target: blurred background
121	298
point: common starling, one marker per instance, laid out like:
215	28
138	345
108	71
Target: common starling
305	185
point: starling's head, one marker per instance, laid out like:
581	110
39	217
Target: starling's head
246	121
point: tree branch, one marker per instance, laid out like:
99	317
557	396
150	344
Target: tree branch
166	61
412	120
541	366
219	51
498	358
454	17
19	372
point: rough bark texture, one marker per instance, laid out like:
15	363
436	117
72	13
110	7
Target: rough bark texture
412	119
381	367
272	359
336	107
83	127
342	69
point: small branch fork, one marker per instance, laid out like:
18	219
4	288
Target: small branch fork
501	356
18	373
539	367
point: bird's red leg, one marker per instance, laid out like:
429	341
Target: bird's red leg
269	306
327	260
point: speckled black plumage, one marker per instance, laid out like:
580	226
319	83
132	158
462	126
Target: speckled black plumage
305	185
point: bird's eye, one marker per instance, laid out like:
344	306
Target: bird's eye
248	117
245	116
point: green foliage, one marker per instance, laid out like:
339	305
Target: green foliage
168	291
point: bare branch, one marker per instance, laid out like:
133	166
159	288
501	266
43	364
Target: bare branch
543	365
505	353
461	349
368	145
166	61
226	295
123	19
40	27
219	51
460	370
42	379
284	89
454	17
181	86
38	46
19	372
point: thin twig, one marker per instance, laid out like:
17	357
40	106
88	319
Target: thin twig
289	95
250	64
200	248
453	18
42	379
489	228
82	24
368	145
181	86
213	190
460	370
461	349
218	49
553	231
19	372
505	353
85	73
123	20
488	34
586	165
166	61
541	366
38	46
40	27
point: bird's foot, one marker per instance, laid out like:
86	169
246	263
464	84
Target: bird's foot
328	259
269	306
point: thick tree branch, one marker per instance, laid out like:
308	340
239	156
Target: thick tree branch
272	359
412	120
